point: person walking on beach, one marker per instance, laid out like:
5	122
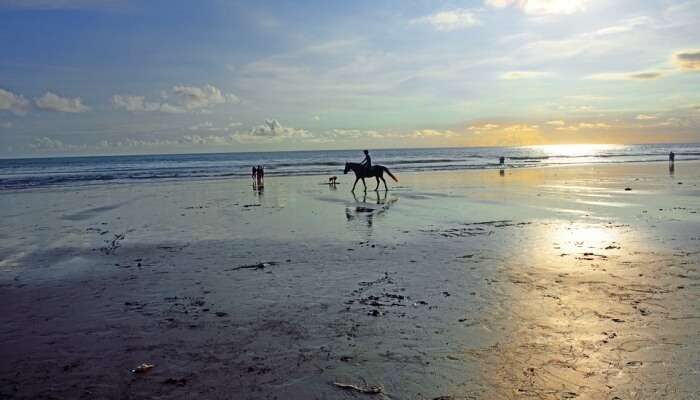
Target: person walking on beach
671	157
261	174
254	174
367	162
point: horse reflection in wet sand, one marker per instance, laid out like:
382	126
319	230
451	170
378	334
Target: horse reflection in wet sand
367	211
361	172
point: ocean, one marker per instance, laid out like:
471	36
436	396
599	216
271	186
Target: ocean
30	173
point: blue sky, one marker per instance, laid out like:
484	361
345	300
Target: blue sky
122	77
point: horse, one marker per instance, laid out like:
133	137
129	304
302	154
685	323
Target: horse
362	172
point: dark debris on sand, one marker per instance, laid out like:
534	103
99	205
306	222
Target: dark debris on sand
258	266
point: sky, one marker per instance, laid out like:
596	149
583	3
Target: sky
82	77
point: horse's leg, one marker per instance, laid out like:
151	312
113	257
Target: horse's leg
377	178
364	184
353	186
383	180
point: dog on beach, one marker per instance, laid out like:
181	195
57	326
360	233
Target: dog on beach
333	180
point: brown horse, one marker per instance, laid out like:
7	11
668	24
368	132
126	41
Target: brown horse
362	172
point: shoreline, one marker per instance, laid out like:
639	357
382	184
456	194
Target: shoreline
358	150
339	174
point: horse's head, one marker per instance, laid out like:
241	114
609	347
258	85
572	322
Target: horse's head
347	168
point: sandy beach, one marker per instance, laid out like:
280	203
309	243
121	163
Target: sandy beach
547	283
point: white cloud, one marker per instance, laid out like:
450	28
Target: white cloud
273	129
137	104
208	126
193	97
513	75
432	133
593	44
13	102
584	125
645	117
624	26
170	109
687	60
589	125
316	118
46	143
542	7
184	98
555	123
617	76
451	20
483	127
209	140
53	102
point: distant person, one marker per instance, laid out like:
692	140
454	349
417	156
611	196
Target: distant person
501	160
261	174
367	162
254	174
671	163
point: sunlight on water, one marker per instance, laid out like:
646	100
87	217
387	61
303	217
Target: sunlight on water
577	150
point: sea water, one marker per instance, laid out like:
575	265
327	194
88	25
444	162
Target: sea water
71	171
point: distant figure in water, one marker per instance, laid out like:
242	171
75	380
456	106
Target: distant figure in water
367	162
501	160
671	157
254	174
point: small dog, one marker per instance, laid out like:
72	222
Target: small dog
333	180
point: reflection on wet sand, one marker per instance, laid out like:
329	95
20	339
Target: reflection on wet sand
366	212
258	189
585	314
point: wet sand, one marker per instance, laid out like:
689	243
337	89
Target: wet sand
546	283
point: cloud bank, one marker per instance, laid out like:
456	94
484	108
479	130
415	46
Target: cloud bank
542	7
617	76
14	103
688	60
451	20
180	99
514	75
273	129
53	102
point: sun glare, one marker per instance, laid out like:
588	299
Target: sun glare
581	238
576	150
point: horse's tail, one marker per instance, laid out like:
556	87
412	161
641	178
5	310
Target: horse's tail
390	174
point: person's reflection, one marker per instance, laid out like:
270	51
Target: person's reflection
502	172
671	168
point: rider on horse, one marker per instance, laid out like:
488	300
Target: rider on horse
367	162
367	170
